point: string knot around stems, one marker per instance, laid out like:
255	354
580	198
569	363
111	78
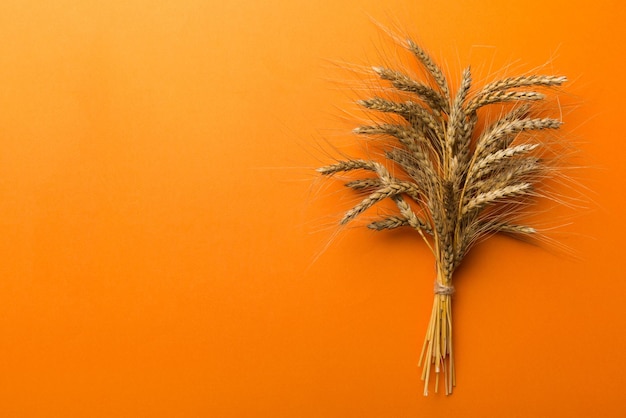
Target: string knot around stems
442	289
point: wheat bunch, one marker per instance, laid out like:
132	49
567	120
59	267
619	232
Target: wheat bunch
452	182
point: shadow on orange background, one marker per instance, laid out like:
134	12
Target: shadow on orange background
159	232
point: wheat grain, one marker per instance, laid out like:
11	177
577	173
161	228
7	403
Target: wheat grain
433	69
479	201
493	137
412	219
364	184
420	118
522	81
391	222
502	97
380	194
417	166
407	136
509	228
489	163
458	115
406	84
348	166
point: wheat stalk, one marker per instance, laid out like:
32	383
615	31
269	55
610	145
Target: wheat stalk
460	188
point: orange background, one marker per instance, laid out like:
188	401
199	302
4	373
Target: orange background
159	227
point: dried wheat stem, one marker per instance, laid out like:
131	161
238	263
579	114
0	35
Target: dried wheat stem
437	347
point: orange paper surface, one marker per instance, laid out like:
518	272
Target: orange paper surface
163	236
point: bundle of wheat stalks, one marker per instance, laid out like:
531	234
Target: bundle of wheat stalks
452	182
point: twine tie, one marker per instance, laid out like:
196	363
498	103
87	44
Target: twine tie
442	289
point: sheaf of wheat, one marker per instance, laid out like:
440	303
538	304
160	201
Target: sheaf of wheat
453	180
